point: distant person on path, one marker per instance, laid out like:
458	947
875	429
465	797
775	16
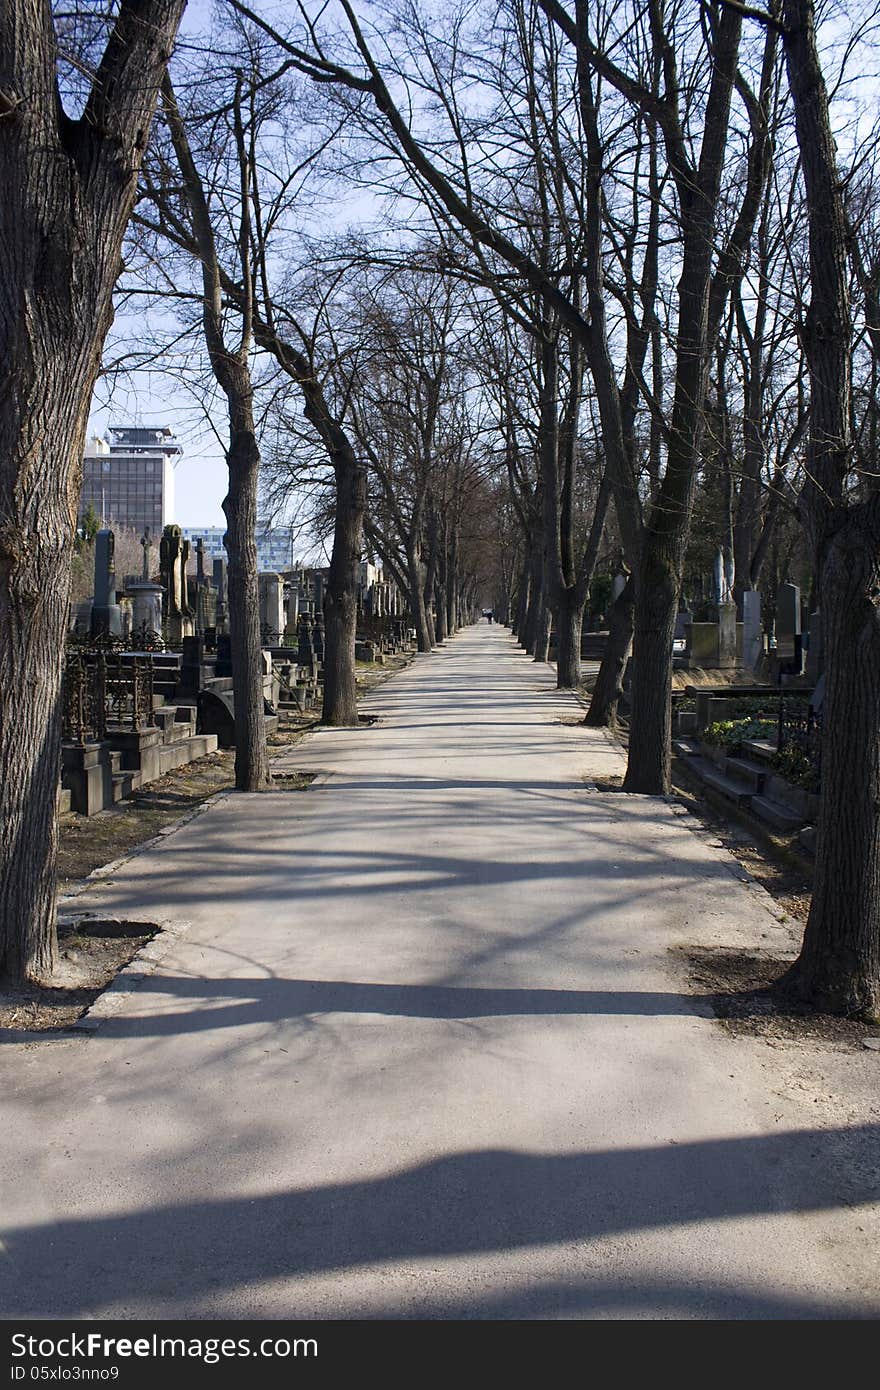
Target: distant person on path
489	616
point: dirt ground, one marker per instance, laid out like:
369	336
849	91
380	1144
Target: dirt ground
742	988
91	954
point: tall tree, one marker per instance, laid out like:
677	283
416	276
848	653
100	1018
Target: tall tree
69	184
231	367
247	272
839	964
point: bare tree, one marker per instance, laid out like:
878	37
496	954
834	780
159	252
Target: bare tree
839	964
231	366
254	282
68	184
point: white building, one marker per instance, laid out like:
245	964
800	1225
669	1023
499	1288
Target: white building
128	478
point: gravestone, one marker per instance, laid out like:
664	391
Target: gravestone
618	584
721	584
789	647
206	597
702	645
215	716
106	618
318	636
223	665
271	608
306	653
146	542
753	633
221	620
293	606
206	609
815	664
190	681
146	602
726	636
146	619
173	555
683	620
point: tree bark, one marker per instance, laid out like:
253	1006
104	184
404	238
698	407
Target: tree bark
340	597
240	506
573	597
36	542
838	968
544	629
529	631
609	682
68	190
522	603
569	622
452	591
650	725
415	576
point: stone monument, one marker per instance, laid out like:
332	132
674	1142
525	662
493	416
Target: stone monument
146	600
753	633
106	620
173	556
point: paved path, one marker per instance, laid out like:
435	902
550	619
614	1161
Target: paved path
423	1050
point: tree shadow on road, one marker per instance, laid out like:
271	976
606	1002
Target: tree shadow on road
476	1204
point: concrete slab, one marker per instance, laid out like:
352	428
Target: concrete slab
422	1051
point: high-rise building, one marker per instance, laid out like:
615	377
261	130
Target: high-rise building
128	478
275	544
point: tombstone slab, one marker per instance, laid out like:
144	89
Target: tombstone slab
753	633
106	617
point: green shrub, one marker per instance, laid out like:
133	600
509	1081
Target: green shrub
793	764
731	734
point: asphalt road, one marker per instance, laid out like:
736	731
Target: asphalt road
421	1047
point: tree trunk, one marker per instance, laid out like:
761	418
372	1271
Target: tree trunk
240	506
415	576
429	620
68	189
441	584
608	689
569	622
650	725
452	603
839	965
36	542
545	628
522	604
442	630
430	581
529	632
340	596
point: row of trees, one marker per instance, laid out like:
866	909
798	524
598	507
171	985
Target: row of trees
612	272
